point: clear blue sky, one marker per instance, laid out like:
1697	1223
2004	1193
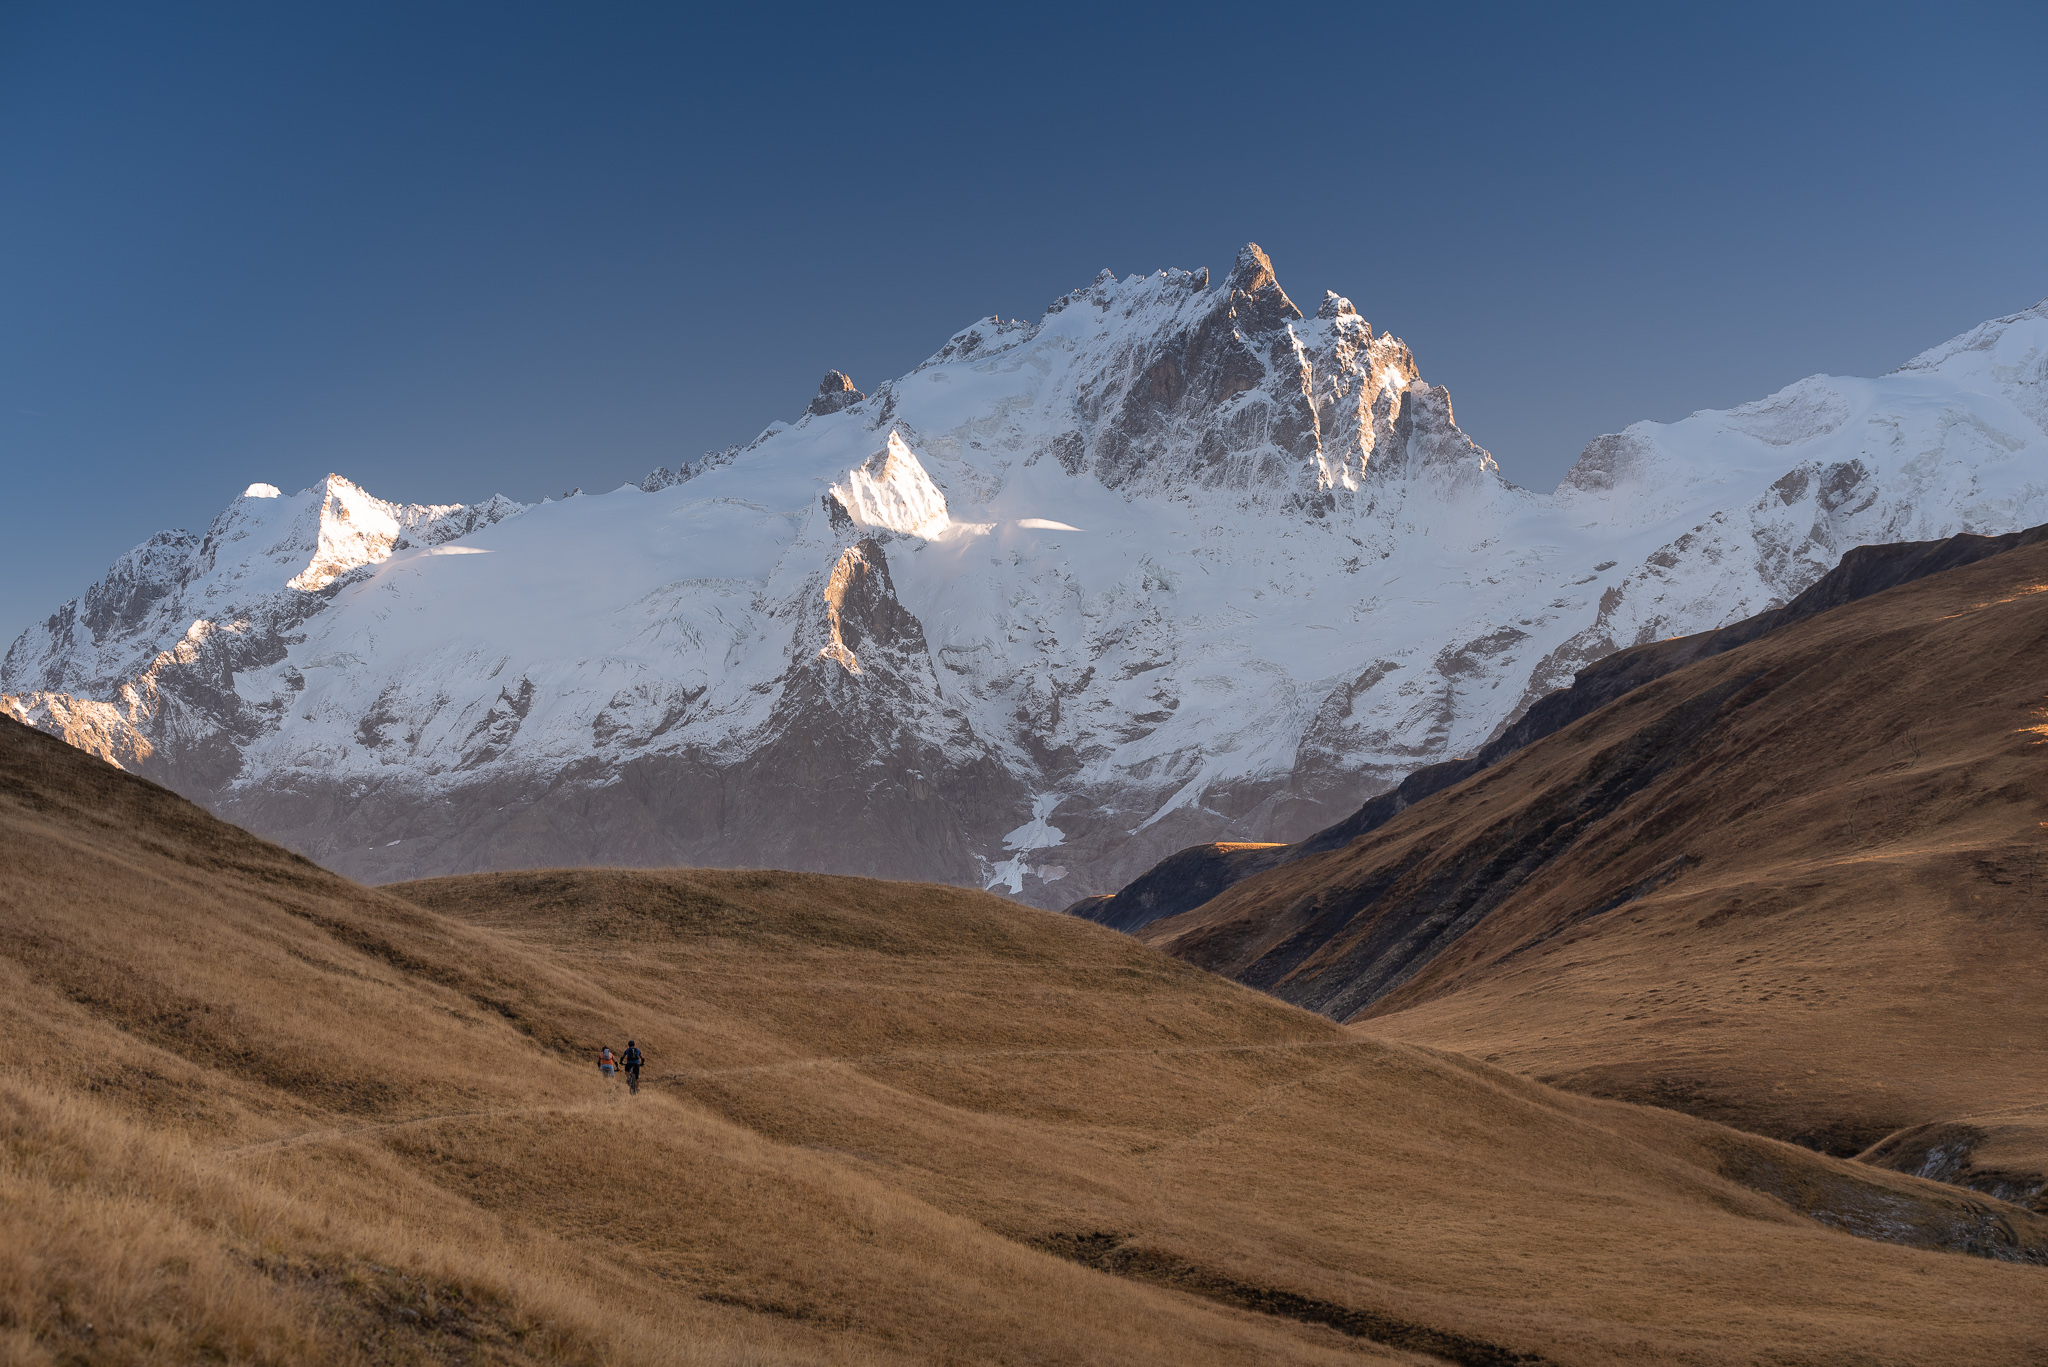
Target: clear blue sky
455	250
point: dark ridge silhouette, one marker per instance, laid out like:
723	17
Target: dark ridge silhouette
1795	884
1185	880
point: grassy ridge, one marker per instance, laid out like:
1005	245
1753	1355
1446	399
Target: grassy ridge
251	1112
1800	888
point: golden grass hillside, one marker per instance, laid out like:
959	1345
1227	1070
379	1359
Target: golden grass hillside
1800	887
250	1112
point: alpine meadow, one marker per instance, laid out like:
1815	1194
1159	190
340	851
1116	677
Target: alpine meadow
1119	826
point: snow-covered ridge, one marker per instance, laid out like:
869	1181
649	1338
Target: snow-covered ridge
891	491
1172	562
262	566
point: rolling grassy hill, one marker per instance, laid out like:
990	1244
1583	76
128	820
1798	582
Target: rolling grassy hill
252	1112
1800	887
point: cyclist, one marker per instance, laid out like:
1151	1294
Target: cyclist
633	1058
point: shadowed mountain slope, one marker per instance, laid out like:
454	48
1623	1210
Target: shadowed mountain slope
1183	881
255	1113
1797	887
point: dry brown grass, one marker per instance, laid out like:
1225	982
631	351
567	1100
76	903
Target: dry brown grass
254	1113
1861	941
1050	1081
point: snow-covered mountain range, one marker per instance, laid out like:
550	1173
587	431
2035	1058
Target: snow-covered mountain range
1172	563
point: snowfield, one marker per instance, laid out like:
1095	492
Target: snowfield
1172	563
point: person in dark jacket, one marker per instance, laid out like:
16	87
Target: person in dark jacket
632	1059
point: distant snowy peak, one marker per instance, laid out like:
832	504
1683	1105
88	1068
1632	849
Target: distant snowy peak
323	532
1988	340
664	478
1163	387
876	639
1895	455
891	490
345	528
263	544
2008	355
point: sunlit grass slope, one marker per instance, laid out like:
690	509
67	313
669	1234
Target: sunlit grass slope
250	1112
1059	1085
1800	887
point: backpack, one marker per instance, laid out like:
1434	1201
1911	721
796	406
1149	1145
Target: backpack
632	1057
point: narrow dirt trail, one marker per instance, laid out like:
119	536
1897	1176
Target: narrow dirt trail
787	1065
928	1055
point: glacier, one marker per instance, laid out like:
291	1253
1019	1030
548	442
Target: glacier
1173	563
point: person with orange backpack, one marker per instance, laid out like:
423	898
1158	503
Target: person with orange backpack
606	1064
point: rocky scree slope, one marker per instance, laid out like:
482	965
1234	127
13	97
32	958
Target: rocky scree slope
1173	563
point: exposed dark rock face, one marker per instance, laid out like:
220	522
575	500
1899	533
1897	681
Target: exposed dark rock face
1191	877
851	776
835	394
1234	400
122	601
1944	1151
1970	1226
665	478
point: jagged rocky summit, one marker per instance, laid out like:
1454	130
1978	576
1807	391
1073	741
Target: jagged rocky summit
1173	563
